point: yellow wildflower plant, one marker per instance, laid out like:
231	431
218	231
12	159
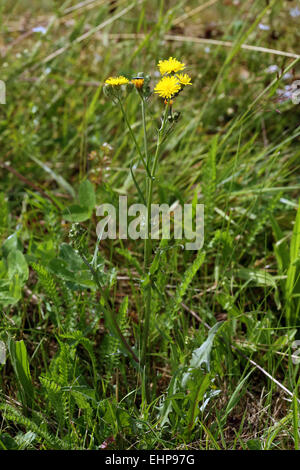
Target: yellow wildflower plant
167	87
116	81
171	83
184	79
170	65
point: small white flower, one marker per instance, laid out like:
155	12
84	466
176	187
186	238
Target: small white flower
263	27
273	69
286	93
295	12
39	29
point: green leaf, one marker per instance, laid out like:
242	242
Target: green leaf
20	363
11	243
187	279
292	287
77	279
87	201
86	195
239	391
7	442
258	276
201	356
72	258
196	395
280	247
10	291
113	327
254	444
17	265
76	213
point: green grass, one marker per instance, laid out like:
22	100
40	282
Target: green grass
224	320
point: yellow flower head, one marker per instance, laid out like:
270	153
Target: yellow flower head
184	79
167	87
138	82
116	81
170	65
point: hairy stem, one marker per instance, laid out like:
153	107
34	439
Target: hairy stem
133	137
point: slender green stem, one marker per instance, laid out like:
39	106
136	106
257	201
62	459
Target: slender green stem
147	182
133	137
145	132
148	244
147	240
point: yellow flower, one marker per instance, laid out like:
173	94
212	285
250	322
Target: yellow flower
167	87
116	81
170	65
184	79
138	82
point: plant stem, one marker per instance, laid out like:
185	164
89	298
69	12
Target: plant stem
133	138
145	131
148	244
